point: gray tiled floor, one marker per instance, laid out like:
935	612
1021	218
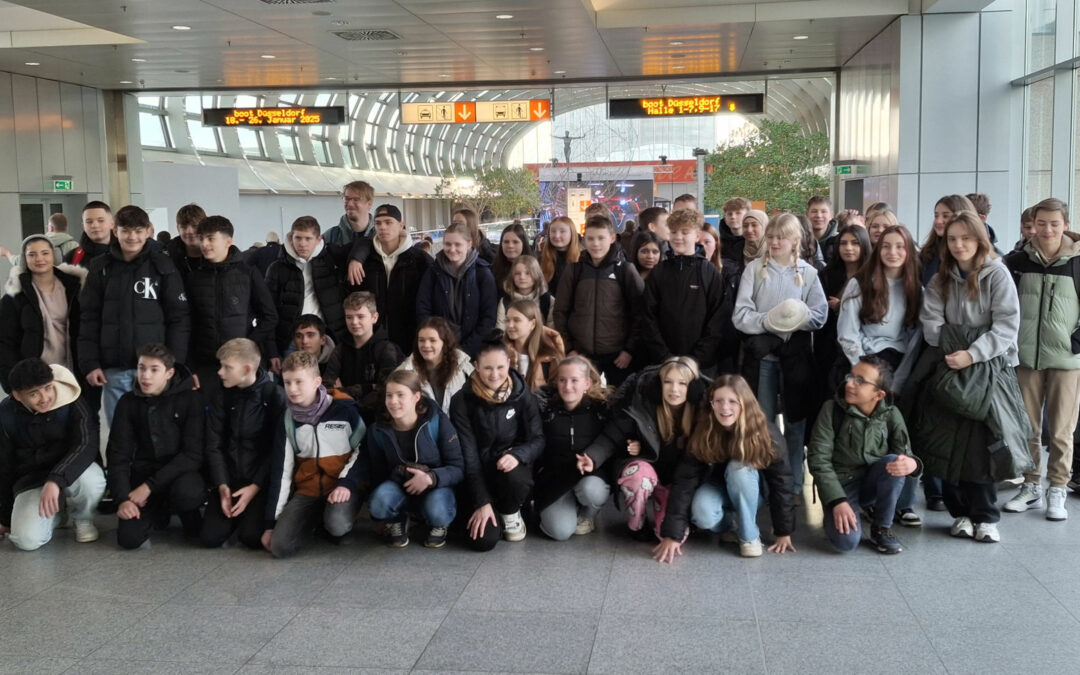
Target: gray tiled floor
595	604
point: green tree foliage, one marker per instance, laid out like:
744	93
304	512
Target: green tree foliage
504	193
776	163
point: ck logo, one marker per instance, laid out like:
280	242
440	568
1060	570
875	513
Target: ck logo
147	288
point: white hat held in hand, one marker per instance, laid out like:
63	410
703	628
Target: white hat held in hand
787	317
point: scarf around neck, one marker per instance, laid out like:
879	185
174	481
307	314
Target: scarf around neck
313	413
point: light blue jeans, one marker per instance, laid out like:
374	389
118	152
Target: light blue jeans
769	378
390	503
715	504
29	531
559	519
119	382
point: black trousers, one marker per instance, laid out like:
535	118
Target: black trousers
249	525
508	493
977	501
183	496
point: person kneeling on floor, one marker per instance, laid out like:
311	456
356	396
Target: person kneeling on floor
413	458
859	454
47	454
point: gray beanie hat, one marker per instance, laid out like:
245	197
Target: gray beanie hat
20	261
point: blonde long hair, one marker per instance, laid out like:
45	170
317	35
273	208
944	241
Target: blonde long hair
548	254
666	422
787	226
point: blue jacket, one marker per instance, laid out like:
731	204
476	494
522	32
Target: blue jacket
475	293
380	453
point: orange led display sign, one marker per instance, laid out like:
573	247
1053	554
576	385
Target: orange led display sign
266	117
685	106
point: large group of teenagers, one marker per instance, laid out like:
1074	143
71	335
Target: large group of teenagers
690	372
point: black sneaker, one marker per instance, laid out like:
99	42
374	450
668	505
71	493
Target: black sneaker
645	534
397	534
936	504
436	537
884	540
908	518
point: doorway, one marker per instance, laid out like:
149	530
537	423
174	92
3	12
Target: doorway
35	210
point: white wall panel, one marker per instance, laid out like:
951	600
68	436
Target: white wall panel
93	133
995	93
1004	215
72	130
9	176
27	133
50	123
170	186
950	85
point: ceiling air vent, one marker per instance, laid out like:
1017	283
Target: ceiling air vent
367	34
297	2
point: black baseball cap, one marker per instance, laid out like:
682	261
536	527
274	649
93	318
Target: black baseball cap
388	210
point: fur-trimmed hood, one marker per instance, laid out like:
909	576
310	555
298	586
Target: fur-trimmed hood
14	284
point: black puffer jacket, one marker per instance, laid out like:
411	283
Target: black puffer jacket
54	446
363	370
595	304
87	251
22	327
684	311
240	427
567	433
155	439
176	249
228	300
396	296
691	473
634	419
488	431
125	305
285	281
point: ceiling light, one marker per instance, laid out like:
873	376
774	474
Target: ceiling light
678	67
125	81
267	56
536	49
504	16
560	72
31	63
138	60
675	43
801	37
444	75
329	78
181	27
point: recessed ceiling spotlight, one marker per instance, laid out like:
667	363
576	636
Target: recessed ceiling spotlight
267	56
31	63
675	43
138	60
678	67
181	27
536	49
560	72
444	75
330	78
801	37
125	81
504	17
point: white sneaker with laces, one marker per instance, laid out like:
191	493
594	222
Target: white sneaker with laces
962	527
1055	504
751	549
1029	497
585	525
85	531
513	526
987	532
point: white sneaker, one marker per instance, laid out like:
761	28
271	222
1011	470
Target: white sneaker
585	525
85	531
750	549
987	532
962	527
513	526
1055	504
1029	497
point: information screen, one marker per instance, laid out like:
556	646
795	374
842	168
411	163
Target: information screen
265	117
685	106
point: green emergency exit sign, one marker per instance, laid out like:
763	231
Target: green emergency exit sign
62	186
844	170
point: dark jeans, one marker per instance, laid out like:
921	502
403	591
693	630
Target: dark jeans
302	515
508	492
977	501
183	496
876	488
249	525
605	363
